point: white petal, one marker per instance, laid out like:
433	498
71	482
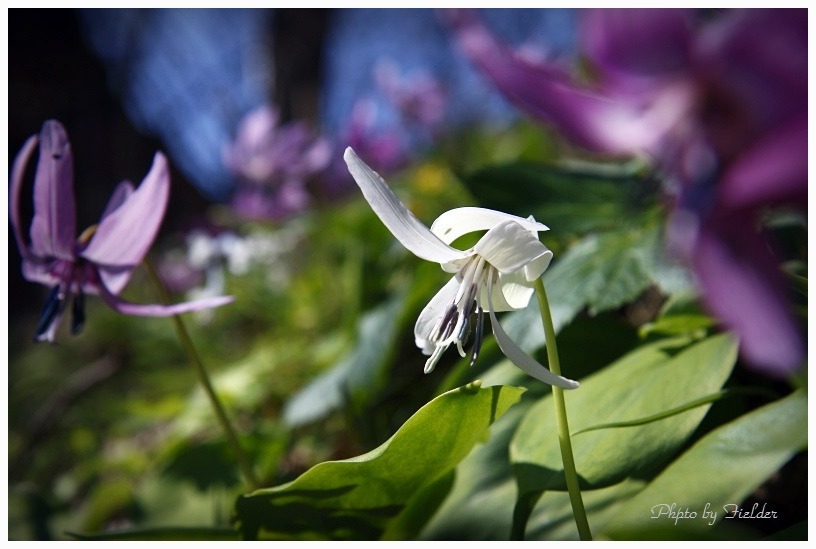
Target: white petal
409	230
460	221
536	267
515	289
456	265
509	246
431	313
525	362
494	302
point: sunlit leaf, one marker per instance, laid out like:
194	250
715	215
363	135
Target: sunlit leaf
650	380
721	469
480	504
358	498
654	378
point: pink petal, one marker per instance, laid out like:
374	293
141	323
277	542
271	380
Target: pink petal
636	44
125	235
126	307
17	172
773	170
53	229
119	196
741	284
545	91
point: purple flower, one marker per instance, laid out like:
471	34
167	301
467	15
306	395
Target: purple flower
273	163
101	260
419	97
718	100
385	147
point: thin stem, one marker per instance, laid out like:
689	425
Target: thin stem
187	343
561	424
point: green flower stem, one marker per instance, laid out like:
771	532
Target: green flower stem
570	473
187	343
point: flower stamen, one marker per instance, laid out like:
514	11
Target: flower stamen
54	306
454	325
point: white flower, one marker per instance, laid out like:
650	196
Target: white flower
495	275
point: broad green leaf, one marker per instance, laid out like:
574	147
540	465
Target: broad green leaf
600	272
721	469
356	377
654	378
480	504
570	198
358	498
552	518
604	271
419	509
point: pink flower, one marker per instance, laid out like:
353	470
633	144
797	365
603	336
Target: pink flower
273	163
719	102
101	260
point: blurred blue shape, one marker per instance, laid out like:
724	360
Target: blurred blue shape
187	77
416	43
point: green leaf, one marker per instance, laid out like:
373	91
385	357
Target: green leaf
604	271
419	509
601	272
680	315
653	378
359	497
722	468
569	198
708	399
356	377
480	504
552	519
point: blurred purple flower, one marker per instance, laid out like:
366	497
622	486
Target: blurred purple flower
386	148
418	97
719	101
102	259
419	102
273	163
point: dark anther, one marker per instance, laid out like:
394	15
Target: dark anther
444	326
54	305
78	313
477	342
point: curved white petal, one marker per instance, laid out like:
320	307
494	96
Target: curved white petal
515	289
431	314
456	265
409	230
525	362
495	301
536	267
460	221
509	246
